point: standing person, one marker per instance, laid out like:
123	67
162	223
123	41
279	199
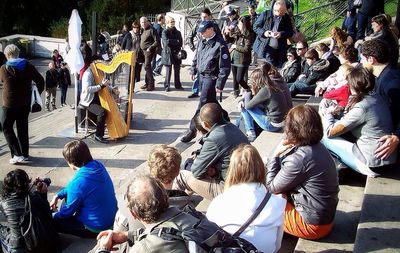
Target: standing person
90	204
131	42
65	81
172	42
57	59
17	75
149	42
212	66
204	15
241	54
89	97
302	168
244	190
273	29
159	26
253	17
52	81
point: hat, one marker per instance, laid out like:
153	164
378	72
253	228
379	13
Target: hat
231	12
204	25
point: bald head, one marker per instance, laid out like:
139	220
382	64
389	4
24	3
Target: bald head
211	114
147	198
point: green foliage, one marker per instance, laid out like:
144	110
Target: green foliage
59	28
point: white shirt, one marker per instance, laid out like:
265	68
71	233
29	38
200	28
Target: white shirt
236	204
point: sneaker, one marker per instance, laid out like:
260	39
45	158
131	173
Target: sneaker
188	136
26	158
166	89
16	159
100	139
62	105
48	109
251	136
193	95
54	107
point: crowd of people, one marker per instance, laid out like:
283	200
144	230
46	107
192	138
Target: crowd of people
357	124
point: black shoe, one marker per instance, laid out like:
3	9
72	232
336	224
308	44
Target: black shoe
48	109
166	89
193	95
189	135
100	139
54	107
179	88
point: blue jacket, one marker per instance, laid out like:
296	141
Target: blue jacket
90	197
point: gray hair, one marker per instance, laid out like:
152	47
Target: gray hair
11	51
147	198
143	19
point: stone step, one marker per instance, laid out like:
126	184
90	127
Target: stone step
379	226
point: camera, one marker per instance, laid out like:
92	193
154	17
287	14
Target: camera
45	180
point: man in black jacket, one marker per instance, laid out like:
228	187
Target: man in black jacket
149	42
209	168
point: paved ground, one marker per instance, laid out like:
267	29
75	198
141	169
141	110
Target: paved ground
158	117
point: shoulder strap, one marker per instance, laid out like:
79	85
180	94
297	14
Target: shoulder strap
253	216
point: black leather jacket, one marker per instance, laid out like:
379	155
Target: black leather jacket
13	207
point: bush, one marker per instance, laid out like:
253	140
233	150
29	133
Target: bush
59	28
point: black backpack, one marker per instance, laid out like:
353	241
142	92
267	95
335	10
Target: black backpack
37	228
207	235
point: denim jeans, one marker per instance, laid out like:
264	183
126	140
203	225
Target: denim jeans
259	116
195	86
157	66
300	87
72	226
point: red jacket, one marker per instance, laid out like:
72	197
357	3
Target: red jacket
341	95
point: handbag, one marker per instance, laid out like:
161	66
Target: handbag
36	100
182	55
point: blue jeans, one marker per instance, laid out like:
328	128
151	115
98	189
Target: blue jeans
300	87
259	116
157	66
195	86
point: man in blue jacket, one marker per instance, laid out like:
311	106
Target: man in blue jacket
89	198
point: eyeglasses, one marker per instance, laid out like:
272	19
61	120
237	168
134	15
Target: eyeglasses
300	48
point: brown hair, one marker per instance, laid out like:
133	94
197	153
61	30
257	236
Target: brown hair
361	81
381	19
311	54
339	36
260	78
164	163
322	47
349	53
160	17
246	166
77	153
303	126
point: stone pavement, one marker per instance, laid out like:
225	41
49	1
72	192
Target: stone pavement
159	117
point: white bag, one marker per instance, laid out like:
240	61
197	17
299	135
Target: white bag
36	100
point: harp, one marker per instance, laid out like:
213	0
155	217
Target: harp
117	100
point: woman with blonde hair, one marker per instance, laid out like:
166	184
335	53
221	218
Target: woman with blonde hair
244	190
267	103
302	168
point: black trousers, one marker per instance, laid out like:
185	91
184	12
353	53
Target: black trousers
138	69
177	80
207	95
19	145
239	75
148	59
100	113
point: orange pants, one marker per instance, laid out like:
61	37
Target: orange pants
295	225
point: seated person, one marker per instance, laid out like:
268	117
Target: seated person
367	120
208	171
375	55
15	189
348	56
292	68
244	191
83	212
302	168
317	70
325	53
89	97
148	203
267	104
339	40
